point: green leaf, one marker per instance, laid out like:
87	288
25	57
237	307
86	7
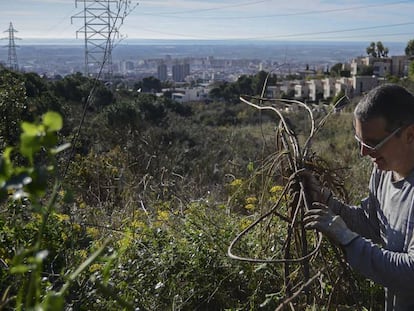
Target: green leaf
53	121
50	140
250	167
29	145
30	129
19	269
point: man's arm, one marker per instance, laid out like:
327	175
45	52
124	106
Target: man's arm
390	269
360	219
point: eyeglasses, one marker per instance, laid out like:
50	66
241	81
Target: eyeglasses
380	144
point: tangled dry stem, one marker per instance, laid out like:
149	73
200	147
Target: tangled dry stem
299	246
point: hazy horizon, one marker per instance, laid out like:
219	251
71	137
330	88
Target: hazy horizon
127	41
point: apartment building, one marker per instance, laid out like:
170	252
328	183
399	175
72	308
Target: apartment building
315	89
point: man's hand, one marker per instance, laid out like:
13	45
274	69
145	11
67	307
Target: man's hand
321	218
313	188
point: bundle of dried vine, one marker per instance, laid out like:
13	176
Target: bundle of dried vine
284	239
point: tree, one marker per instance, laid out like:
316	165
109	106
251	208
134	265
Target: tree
72	88
409	49
226	91
13	106
244	83
411	71
259	81
381	50
149	84
336	70
377	50
371	51
151	109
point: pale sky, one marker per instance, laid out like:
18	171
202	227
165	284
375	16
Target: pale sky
298	20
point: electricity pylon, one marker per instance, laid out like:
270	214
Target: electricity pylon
12	56
102	20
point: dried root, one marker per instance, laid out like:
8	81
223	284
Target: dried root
284	239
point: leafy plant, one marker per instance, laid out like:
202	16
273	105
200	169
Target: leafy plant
23	190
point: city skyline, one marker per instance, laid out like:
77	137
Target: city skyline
269	20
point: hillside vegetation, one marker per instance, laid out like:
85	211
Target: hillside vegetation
117	200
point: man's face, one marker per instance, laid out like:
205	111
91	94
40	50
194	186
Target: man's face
387	149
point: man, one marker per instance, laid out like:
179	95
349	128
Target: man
377	236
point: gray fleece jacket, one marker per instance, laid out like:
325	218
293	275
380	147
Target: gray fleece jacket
384	252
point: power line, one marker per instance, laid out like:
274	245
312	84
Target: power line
312	12
307	34
62	21
216	8
173	16
333	31
174	34
366	35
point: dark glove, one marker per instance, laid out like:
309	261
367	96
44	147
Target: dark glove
323	219
313	188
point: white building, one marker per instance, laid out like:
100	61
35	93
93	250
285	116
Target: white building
400	65
315	89
362	84
301	90
394	65
344	85
184	95
328	85
382	67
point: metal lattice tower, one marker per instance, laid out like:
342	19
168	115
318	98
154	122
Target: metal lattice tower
102	19
12	56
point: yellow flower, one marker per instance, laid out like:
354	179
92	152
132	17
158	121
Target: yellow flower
76	227
125	242
251	200
250	203
37	216
163	215
95	267
92	232
236	183
64	236
249	207
137	224
156	224
244	223
62	217
276	189
82	254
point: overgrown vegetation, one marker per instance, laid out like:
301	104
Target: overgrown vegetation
138	212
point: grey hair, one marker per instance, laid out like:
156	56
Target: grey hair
392	102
